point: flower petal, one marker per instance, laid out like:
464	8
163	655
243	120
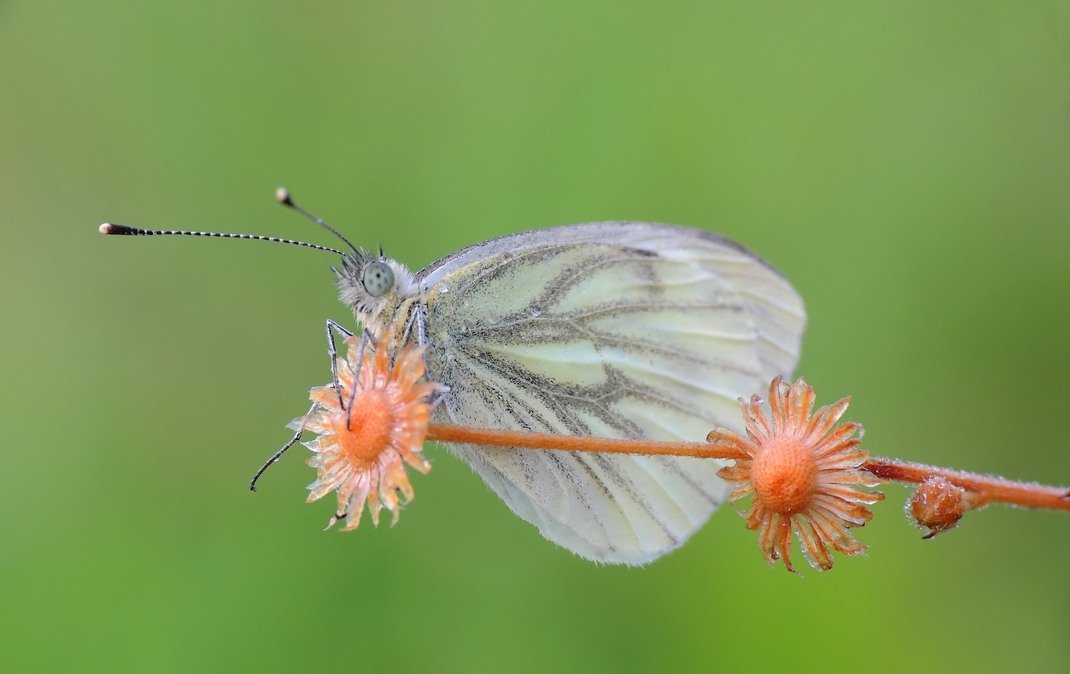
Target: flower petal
776	404
825	419
812	545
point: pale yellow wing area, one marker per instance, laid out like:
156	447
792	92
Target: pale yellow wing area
612	329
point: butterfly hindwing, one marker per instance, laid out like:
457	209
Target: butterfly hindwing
608	329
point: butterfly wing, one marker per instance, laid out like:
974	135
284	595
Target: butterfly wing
612	329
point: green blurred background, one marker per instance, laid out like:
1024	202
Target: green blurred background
906	164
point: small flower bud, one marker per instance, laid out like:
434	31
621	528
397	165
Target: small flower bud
938	505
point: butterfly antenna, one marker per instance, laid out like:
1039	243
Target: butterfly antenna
112	229
282	195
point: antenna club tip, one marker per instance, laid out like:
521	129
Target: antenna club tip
108	228
282	195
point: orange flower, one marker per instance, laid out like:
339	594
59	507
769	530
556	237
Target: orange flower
363	444
798	469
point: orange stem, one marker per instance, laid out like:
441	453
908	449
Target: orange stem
986	489
577	443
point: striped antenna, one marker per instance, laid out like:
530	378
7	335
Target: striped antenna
282	195
112	229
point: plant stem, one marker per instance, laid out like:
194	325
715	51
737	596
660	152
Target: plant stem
577	443
984	488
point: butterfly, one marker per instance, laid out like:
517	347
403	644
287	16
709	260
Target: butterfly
610	329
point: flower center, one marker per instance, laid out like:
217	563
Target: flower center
368	431
784	474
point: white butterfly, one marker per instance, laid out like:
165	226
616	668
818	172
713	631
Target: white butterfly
611	329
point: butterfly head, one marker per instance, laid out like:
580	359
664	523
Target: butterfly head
373	286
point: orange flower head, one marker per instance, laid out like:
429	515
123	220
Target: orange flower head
365	437
798	468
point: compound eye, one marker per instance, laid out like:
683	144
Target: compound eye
378	279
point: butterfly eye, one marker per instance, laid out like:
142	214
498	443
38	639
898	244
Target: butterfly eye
378	279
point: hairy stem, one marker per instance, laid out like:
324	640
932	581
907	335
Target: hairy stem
578	443
984	488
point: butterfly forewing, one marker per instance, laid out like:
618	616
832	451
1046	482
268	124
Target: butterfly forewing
614	330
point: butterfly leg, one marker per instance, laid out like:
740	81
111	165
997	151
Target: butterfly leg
278	455
415	321
438	396
421	332
331	329
365	339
